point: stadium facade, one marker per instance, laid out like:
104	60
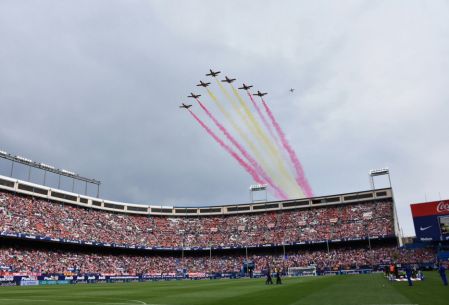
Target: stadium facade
40	191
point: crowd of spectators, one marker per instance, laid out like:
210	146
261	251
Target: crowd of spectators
350	258
24	214
25	260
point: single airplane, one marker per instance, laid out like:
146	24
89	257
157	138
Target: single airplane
245	87
201	84
228	80
192	95
291	90
185	106
260	93
212	73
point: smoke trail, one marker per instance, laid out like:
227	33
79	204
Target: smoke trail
268	127
278	192
277	146
246	139
245	165
299	170
264	120
255	128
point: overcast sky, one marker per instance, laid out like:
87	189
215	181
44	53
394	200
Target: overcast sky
94	87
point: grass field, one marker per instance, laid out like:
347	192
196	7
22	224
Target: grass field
336	290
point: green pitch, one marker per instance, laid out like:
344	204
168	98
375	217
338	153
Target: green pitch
336	290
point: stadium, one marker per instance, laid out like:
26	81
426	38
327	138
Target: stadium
207	240
181	109
54	237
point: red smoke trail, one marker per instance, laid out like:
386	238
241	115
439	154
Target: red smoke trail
264	120
245	153
245	165
301	179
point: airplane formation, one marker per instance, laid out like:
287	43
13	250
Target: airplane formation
225	80
259	145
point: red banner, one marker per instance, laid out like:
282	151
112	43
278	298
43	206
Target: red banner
430	208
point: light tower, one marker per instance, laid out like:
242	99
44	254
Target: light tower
381	172
378	172
257	188
48	169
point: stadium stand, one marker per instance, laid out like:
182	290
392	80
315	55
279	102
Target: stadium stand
24	214
45	234
26	261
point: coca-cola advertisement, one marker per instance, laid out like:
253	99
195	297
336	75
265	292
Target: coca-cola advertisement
443	207
440	207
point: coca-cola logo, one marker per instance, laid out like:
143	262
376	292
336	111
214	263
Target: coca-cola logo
443	206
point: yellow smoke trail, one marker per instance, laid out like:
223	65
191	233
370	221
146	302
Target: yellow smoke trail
253	125
268	140
267	168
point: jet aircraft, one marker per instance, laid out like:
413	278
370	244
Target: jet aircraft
192	95
185	106
228	80
260	93
245	87
201	84
212	73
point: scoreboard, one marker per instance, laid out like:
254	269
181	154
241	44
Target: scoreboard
431	220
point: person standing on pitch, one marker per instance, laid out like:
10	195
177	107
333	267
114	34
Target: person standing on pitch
278	277
391	274
408	273
442	272
269	281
